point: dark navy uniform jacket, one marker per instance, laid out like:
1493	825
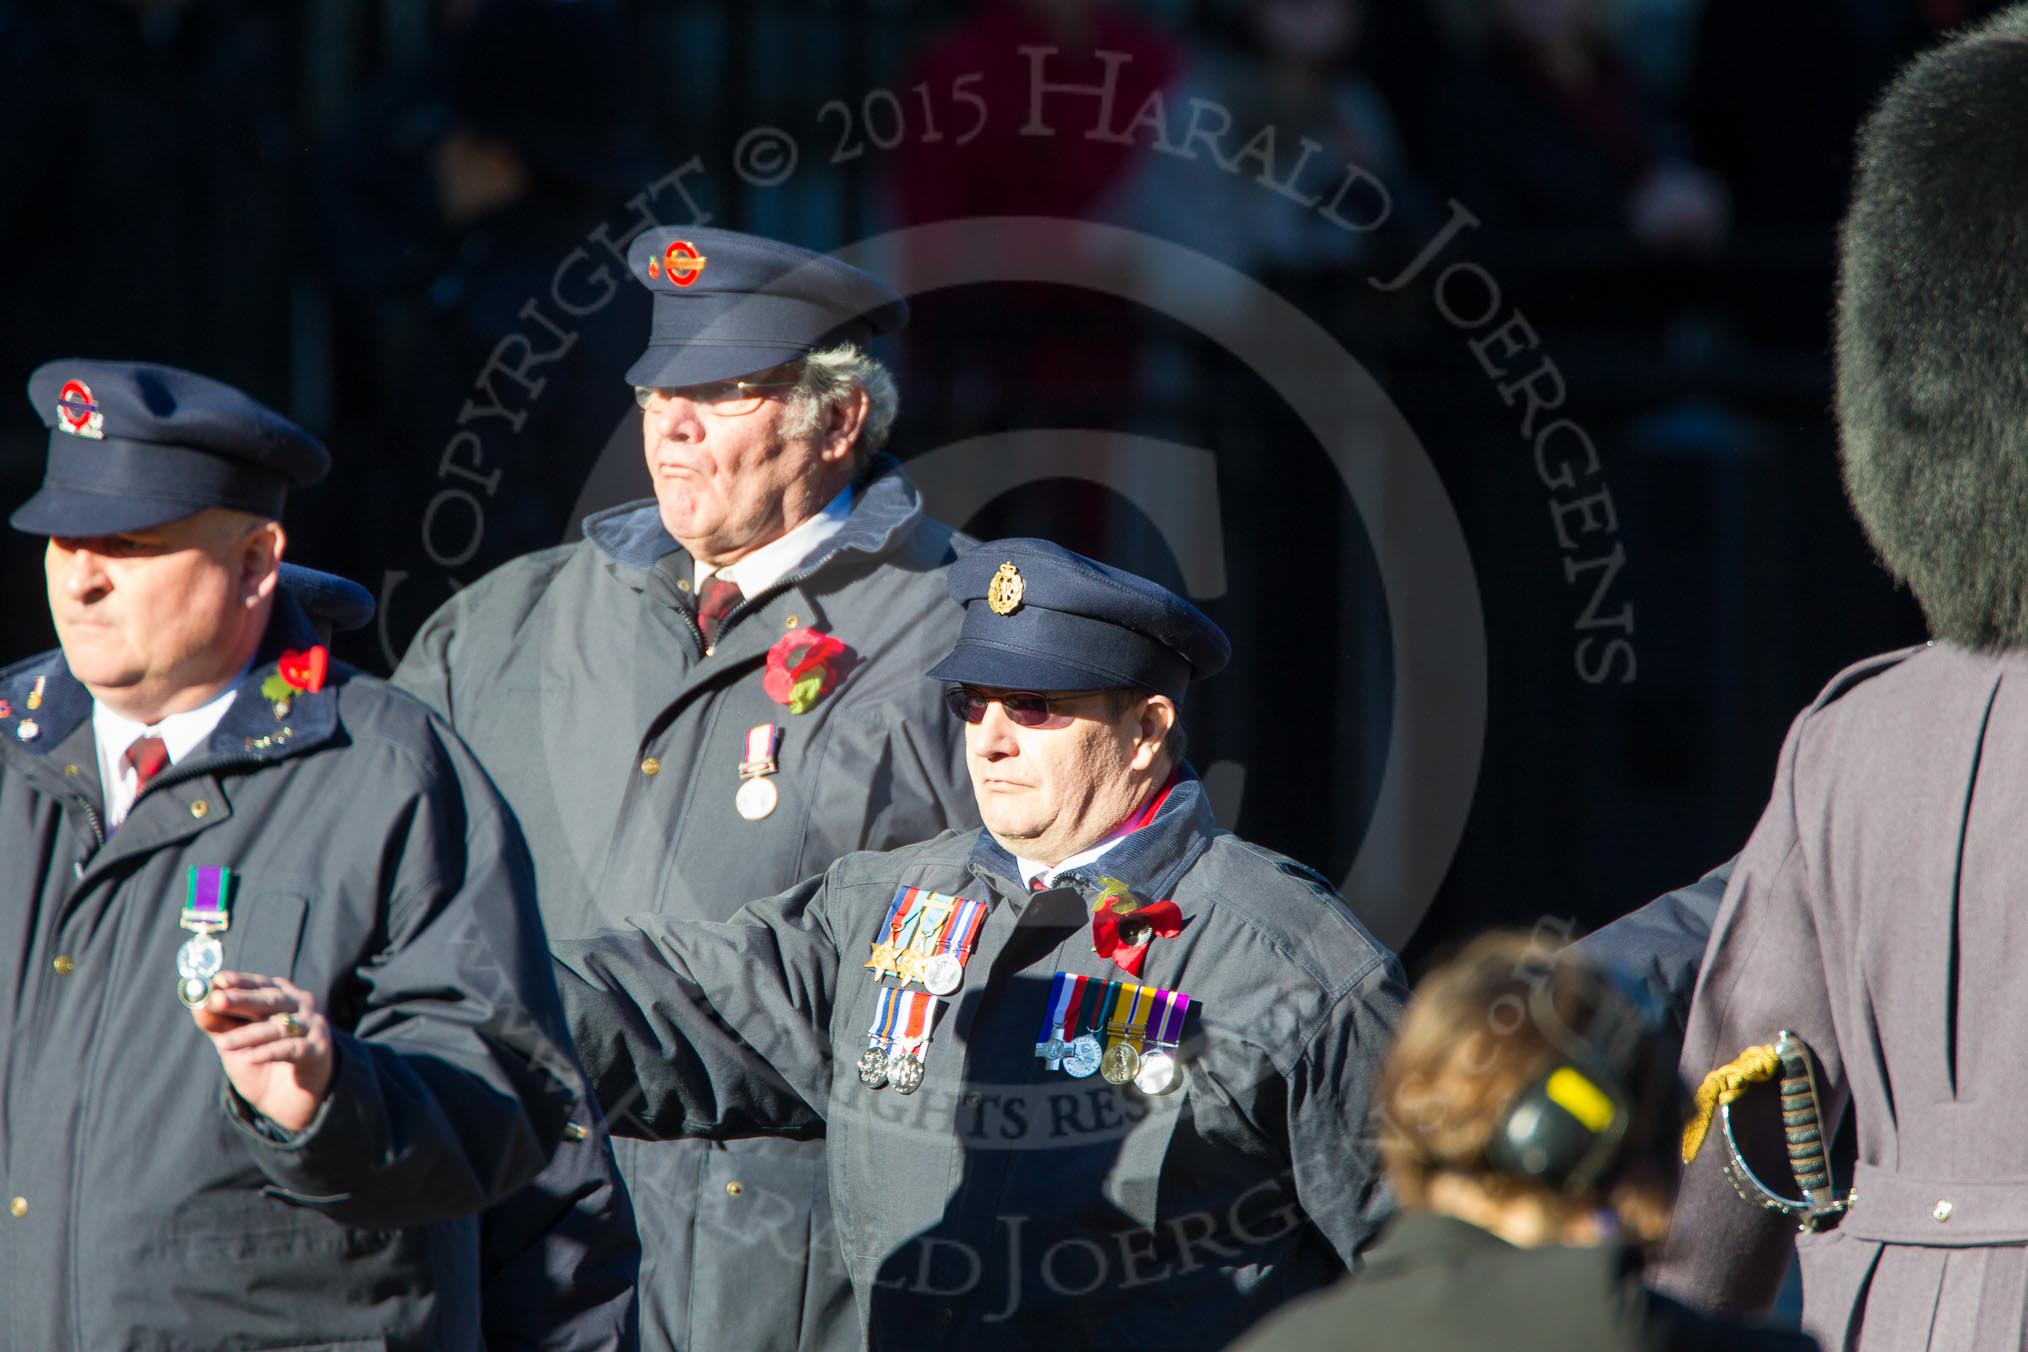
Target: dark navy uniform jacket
372	864
579	678
1005	1205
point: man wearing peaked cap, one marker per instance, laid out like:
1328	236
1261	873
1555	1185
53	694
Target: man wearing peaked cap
718	692
198	806
1096	1075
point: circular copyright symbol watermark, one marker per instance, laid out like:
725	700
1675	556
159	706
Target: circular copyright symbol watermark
766	157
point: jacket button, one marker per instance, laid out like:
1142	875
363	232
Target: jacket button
651	767
200	809
947	1316
18	1207
734	1188
682	584
71	770
64	965
974	1099
1941	1211
791	621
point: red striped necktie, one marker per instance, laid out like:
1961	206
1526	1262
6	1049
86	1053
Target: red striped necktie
149	756
715	600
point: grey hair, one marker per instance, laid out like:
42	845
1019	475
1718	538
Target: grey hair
828	377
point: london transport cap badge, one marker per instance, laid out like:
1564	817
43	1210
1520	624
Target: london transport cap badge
78	413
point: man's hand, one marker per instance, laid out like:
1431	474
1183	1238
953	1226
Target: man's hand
276	1047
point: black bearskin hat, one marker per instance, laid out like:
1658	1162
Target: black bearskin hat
1933	333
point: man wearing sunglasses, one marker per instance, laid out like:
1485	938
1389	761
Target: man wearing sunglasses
717	692
1097	1075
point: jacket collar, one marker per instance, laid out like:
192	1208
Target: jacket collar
885	506
1151	861
252	725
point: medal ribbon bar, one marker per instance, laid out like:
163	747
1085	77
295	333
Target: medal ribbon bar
208	906
963	932
883	949
1052	1013
761	744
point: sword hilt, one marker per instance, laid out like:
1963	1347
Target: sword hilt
1802	1120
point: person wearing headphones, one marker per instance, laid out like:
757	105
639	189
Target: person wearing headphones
1528	1117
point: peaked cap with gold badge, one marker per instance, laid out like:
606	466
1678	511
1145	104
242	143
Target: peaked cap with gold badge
1040	617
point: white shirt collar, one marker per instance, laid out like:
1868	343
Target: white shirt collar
181	733
1030	870
757	571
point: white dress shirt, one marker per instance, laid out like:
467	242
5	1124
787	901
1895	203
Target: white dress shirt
181	733
761	569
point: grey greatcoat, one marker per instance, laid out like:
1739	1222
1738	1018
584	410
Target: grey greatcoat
147	1208
1876	911
578	676
1006	1205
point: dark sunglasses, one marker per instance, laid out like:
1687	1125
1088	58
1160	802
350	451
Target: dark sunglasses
1023	708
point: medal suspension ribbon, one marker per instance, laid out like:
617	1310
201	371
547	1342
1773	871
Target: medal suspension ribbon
1059	991
926	928
961	933
886	1010
879	963
1169	1031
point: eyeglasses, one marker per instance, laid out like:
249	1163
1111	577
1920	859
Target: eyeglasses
1023	708
725	398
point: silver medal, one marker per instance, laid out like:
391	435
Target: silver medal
756	798
905	1071
873	1067
1083	1057
943	974
1158	1074
200	958
192	990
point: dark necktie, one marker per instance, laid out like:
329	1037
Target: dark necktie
715	600
149	756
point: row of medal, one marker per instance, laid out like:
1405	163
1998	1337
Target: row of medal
925	940
1124	1031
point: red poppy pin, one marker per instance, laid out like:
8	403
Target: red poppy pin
801	667
296	674
1123	926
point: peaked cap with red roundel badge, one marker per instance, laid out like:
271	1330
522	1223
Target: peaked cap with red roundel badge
134	445
728	305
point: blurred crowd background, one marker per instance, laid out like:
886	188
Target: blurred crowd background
347	207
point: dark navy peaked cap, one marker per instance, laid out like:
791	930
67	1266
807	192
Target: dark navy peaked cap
727	304
134	445
1039	617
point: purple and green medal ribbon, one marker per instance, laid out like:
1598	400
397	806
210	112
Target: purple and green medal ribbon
208	906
